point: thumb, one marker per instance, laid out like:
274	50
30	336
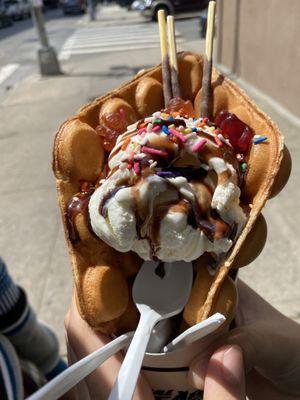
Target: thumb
225	378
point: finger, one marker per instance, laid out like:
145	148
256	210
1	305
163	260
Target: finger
246	313
270	343
199	364
83	340
197	371
225	378
275	354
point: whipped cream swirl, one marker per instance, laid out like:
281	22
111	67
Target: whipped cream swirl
172	191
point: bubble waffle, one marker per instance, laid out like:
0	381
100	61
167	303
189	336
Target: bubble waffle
103	277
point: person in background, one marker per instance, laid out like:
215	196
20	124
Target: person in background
29	350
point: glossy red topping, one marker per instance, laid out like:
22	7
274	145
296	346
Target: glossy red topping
183	107
111	126
115	121
238	133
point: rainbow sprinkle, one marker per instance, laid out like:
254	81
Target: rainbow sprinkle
148	119
179	135
139	156
153	164
150	150
244	167
156	121
141	130
165	174
136	167
125	143
223	140
259	139
149	128
165	130
156	129
218	141
198	146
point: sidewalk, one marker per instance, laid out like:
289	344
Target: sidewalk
31	237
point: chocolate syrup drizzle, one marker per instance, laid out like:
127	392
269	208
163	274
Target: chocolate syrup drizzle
209	222
110	194
77	205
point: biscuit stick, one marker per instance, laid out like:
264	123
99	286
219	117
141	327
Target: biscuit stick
215	287
164	57
173	57
205	106
205	111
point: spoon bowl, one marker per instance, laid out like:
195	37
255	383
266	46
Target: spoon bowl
163	287
160	291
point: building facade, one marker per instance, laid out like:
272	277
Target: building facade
259	42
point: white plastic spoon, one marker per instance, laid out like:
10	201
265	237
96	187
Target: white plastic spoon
78	371
196	332
157	298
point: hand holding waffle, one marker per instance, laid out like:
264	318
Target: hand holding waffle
270	345
281	356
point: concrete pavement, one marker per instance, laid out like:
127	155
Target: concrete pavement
31	237
19	45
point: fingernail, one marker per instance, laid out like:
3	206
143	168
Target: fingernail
233	366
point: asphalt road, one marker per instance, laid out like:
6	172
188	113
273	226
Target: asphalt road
19	43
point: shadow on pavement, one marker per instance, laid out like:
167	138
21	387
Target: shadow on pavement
117	71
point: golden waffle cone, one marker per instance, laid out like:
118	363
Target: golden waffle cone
103	277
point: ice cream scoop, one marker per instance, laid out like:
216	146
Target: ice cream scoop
172	192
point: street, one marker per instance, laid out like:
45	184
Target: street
19	44
97	57
72	35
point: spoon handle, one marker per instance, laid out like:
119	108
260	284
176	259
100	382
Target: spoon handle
78	371
125	383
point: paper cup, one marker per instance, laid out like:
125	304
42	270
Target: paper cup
167	373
